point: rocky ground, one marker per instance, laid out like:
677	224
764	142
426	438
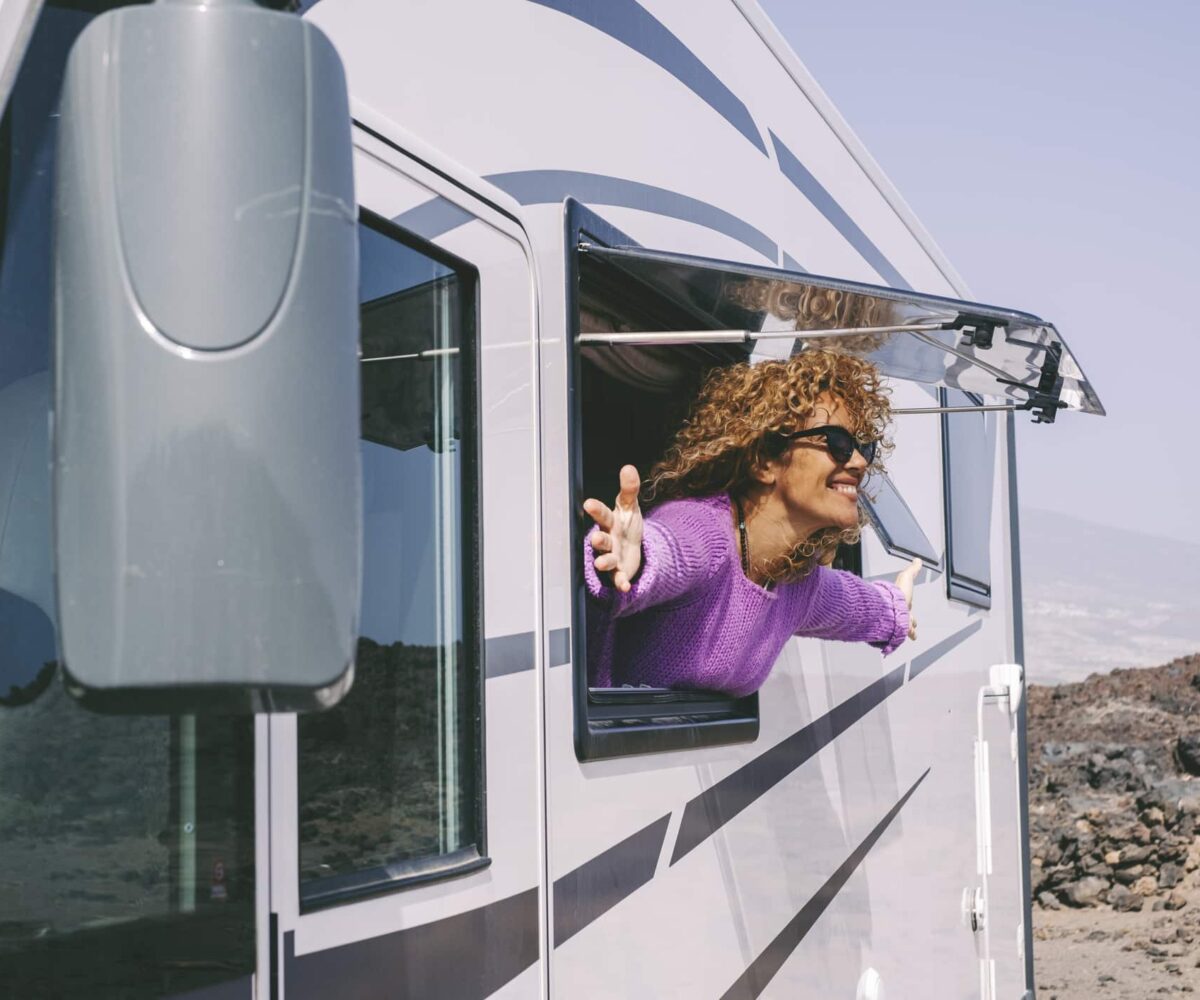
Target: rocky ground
1114	823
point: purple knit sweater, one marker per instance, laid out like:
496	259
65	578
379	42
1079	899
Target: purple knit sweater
693	619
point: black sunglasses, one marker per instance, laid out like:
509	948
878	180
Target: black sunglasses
840	442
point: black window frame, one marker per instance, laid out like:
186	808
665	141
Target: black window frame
622	722
319	894
960	586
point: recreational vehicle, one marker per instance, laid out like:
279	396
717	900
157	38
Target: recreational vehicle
316	328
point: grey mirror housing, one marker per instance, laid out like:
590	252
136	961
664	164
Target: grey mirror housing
207	511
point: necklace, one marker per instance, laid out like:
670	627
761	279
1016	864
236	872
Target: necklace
742	535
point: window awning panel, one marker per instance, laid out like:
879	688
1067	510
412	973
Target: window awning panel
1007	355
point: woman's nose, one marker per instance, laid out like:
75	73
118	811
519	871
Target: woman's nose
857	463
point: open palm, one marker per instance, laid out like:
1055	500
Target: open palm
905	582
617	537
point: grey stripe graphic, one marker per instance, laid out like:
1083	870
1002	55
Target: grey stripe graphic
596	886
631	24
509	654
791	264
824	202
467	956
560	647
763	969
433	218
923	661
716	806
234	989
539	187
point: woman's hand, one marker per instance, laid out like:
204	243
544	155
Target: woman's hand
617	538
905	582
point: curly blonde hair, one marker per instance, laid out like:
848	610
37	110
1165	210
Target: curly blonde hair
739	420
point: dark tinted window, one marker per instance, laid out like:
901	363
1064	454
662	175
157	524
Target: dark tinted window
969	453
894	522
126	844
389	780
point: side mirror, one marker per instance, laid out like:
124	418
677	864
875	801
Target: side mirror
207	513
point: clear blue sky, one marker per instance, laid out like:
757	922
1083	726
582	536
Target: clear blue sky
1053	151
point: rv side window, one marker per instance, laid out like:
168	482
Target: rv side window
969	455
390	781
628	403
894	523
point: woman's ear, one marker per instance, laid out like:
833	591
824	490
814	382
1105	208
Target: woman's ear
765	471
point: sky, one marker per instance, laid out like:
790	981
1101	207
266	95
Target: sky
1053	152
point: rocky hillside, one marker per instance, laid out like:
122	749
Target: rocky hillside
1114	795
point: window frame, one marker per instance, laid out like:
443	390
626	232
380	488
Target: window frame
318	894
623	722
959	586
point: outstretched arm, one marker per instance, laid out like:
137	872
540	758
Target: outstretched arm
632	564
839	605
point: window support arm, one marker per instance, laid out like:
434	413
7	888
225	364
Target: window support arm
1043	399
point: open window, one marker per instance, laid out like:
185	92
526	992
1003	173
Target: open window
648	324
895	524
627	405
1016	358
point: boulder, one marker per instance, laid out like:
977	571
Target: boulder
1123	899
1147	885
1085	892
1048	901
1176	900
1169	876
1187	754
1135	854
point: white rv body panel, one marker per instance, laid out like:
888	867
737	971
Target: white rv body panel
553	106
837	845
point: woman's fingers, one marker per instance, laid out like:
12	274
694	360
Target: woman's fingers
599	513
631	483
906	578
617	538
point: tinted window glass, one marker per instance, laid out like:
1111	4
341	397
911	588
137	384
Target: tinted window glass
969	446
127	857
389	779
894	522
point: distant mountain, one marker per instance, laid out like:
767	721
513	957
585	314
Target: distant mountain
1097	598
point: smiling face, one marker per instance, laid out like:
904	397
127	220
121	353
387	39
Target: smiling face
808	486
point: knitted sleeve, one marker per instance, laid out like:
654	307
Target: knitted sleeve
682	545
840	605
